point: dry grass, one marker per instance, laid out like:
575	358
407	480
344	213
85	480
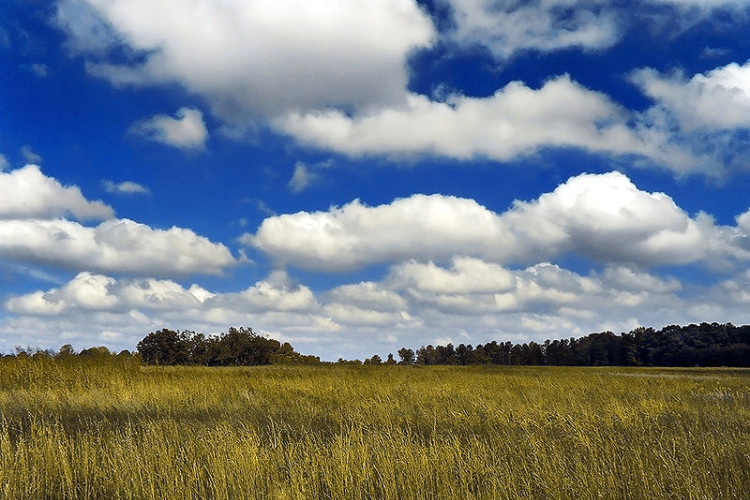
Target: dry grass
86	429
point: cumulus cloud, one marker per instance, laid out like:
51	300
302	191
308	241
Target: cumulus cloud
186	131
28	193
275	293
133	306
95	292
468	299
515	121
291	78
368	304
603	217
454	291
91	304
3	162
606	217
251	69
254	58
506	27
126	187
718	99
466	276
368	295
117	245
34	229
355	235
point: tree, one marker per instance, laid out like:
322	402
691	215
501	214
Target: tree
390	360
515	355
535	354
374	360
95	352
243	347
464	354
446	355
65	352
427	355
165	347
406	355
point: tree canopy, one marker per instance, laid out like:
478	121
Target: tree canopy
706	344
238	347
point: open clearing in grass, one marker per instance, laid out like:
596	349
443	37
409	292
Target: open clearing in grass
114	429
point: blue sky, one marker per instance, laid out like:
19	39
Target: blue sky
355	177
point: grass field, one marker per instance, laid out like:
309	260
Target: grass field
110	430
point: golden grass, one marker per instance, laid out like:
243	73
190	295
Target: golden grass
88	429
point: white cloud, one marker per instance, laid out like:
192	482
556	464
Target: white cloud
368	304
279	62
413	305
705	4
95	292
186	131
275	293
434	227
608	218
117	245
467	276
368	295
126	187
498	289
28	193
255	58
33	230
734	291
506	27
91	304
604	217
633	280
515	121
719	99
743	221
3	162
351	315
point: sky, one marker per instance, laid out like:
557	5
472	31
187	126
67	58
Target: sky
357	176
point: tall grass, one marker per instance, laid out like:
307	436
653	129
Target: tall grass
88	429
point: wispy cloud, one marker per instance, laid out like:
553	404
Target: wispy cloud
302	177
30	156
126	187
39	69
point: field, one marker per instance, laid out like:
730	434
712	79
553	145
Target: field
108	430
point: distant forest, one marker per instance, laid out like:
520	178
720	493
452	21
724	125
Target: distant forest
706	344
693	345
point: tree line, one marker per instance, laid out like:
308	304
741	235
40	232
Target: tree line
706	344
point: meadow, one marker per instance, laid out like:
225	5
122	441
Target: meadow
114	429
